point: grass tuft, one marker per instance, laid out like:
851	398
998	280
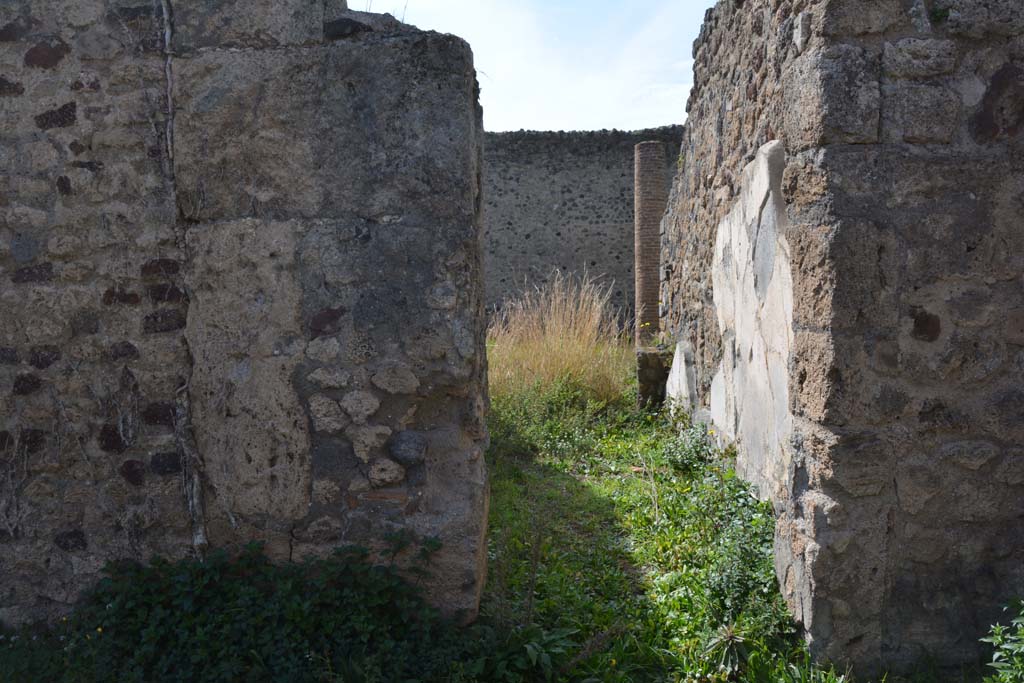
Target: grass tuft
567	331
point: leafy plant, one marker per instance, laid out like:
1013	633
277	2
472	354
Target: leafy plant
245	619
659	557
691	451
1008	642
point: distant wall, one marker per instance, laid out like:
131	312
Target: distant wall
565	201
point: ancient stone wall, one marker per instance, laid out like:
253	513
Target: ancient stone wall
841	277
563	201
241	290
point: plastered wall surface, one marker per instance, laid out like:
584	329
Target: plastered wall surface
753	297
563	201
894	457
241	290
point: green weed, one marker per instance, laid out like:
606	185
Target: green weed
651	549
1008	643
229	620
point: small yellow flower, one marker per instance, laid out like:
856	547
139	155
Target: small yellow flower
613	662
99	629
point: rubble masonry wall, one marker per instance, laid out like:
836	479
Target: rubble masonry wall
841	241
563	201
241	290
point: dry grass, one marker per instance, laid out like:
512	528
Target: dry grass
566	330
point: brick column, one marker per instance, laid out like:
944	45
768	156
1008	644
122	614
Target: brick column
651	198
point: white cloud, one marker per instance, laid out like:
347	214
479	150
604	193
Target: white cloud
538	72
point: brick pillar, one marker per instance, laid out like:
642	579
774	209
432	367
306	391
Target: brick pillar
651	198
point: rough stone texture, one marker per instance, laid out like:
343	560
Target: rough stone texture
86	205
652	370
888	430
563	201
242	290
245	333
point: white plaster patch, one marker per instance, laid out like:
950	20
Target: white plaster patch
753	295
681	389
802	31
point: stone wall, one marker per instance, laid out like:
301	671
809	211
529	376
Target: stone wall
562	201
841	275
241	290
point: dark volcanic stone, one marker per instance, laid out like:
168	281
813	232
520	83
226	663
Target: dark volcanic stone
160	413
165	293
1002	109
937	415
32	440
142	21
118	295
165	463
6	441
15	30
26	384
123	351
927	327
160	267
325	322
64	117
164	320
344	28
70	541
47	54
133	472
10	88
408	448
64	186
91	166
9	356
42	272
42	357
110	439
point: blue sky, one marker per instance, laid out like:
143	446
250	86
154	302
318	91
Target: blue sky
570	64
